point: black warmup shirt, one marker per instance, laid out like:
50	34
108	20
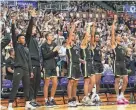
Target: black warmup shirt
48	55
32	44
22	55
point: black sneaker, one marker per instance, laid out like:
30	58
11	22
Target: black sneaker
37	104
71	103
53	102
33	104
48	104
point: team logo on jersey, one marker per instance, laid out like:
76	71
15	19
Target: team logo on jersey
51	47
123	52
76	51
119	47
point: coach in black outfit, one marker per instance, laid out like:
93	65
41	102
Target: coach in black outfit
32	44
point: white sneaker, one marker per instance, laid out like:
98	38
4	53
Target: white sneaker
95	98
29	106
90	103
77	103
10	108
87	101
72	104
2	107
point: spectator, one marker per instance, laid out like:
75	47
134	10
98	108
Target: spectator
10	65
62	55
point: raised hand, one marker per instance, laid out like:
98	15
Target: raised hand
77	22
91	23
115	19
33	13
13	19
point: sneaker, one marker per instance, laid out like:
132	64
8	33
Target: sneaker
78	104
72	104
53	102
33	104
2	107
125	100
90	103
95	98
36	104
30	106
9	108
48	104
75	101
87	101
120	101
92	96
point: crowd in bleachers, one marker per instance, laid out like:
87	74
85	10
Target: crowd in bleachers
115	4
59	24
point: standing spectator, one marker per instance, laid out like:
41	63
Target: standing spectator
62	54
10	65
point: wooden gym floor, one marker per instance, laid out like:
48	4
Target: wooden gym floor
108	103
105	107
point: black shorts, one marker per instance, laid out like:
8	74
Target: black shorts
74	71
119	68
48	73
98	67
87	69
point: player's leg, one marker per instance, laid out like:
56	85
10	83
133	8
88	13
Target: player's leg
53	89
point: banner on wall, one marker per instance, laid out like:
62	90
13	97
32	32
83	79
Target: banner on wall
130	9
22	4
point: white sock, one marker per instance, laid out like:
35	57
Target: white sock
122	94
89	94
118	96
46	100
10	105
27	102
51	98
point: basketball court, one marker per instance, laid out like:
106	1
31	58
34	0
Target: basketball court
103	107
